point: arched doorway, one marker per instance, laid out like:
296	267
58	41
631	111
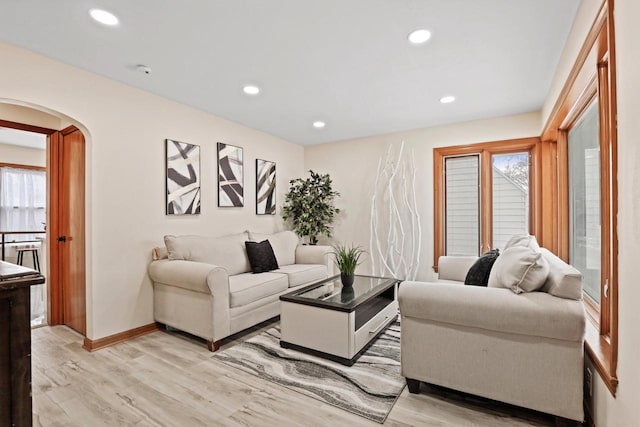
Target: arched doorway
65	225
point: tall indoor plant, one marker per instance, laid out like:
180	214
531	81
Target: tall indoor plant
309	205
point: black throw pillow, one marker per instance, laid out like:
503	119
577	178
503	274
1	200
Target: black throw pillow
478	274
261	256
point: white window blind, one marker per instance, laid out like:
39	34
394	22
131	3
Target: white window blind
462	205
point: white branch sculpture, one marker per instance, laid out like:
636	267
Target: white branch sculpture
399	254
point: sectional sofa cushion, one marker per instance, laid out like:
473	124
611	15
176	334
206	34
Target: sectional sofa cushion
283	243
261	256
454	268
248	287
564	280
519	268
303	273
227	252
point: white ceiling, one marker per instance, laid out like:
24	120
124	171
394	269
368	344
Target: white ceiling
23	138
346	62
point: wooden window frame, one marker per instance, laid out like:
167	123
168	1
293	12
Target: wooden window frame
485	150
18	166
593	76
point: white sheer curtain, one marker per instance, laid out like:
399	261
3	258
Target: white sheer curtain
22	201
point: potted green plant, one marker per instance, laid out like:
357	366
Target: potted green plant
309	205
347	259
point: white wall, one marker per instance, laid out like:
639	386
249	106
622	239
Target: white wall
352	165
125	130
624	409
18	155
579	30
25	115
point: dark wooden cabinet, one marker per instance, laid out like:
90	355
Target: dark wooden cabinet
15	344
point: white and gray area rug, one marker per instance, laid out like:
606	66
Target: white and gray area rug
369	388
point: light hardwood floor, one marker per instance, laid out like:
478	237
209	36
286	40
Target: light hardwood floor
169	379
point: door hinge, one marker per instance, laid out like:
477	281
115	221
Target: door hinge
62	239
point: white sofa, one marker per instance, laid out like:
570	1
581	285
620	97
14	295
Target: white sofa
204	285
524	349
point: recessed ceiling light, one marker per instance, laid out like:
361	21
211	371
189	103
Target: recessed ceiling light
447	99
104	17
419	36
319	124
251	90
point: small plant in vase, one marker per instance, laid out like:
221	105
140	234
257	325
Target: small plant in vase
347	259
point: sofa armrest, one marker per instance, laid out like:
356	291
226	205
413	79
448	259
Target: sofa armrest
494	309
316	254
454	267
191	275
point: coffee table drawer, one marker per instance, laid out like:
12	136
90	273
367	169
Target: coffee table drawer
373	327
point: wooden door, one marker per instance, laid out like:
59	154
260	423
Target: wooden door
67	226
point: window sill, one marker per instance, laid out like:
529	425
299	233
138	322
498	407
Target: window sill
599	350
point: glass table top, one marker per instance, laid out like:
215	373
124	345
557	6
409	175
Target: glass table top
331	294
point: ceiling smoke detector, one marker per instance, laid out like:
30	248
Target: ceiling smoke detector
143	69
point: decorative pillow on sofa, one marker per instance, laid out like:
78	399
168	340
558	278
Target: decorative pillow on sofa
478	274
520	269
564	280
283	243
261	256
227	252
522	240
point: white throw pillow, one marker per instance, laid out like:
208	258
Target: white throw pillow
519	268
564	280
522	240
227	251
283	243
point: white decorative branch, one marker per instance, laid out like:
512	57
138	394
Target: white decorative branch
398	255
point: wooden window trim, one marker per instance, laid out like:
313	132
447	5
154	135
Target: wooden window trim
29	128
17	166
485	150
593	74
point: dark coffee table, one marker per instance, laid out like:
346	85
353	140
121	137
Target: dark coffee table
328	320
